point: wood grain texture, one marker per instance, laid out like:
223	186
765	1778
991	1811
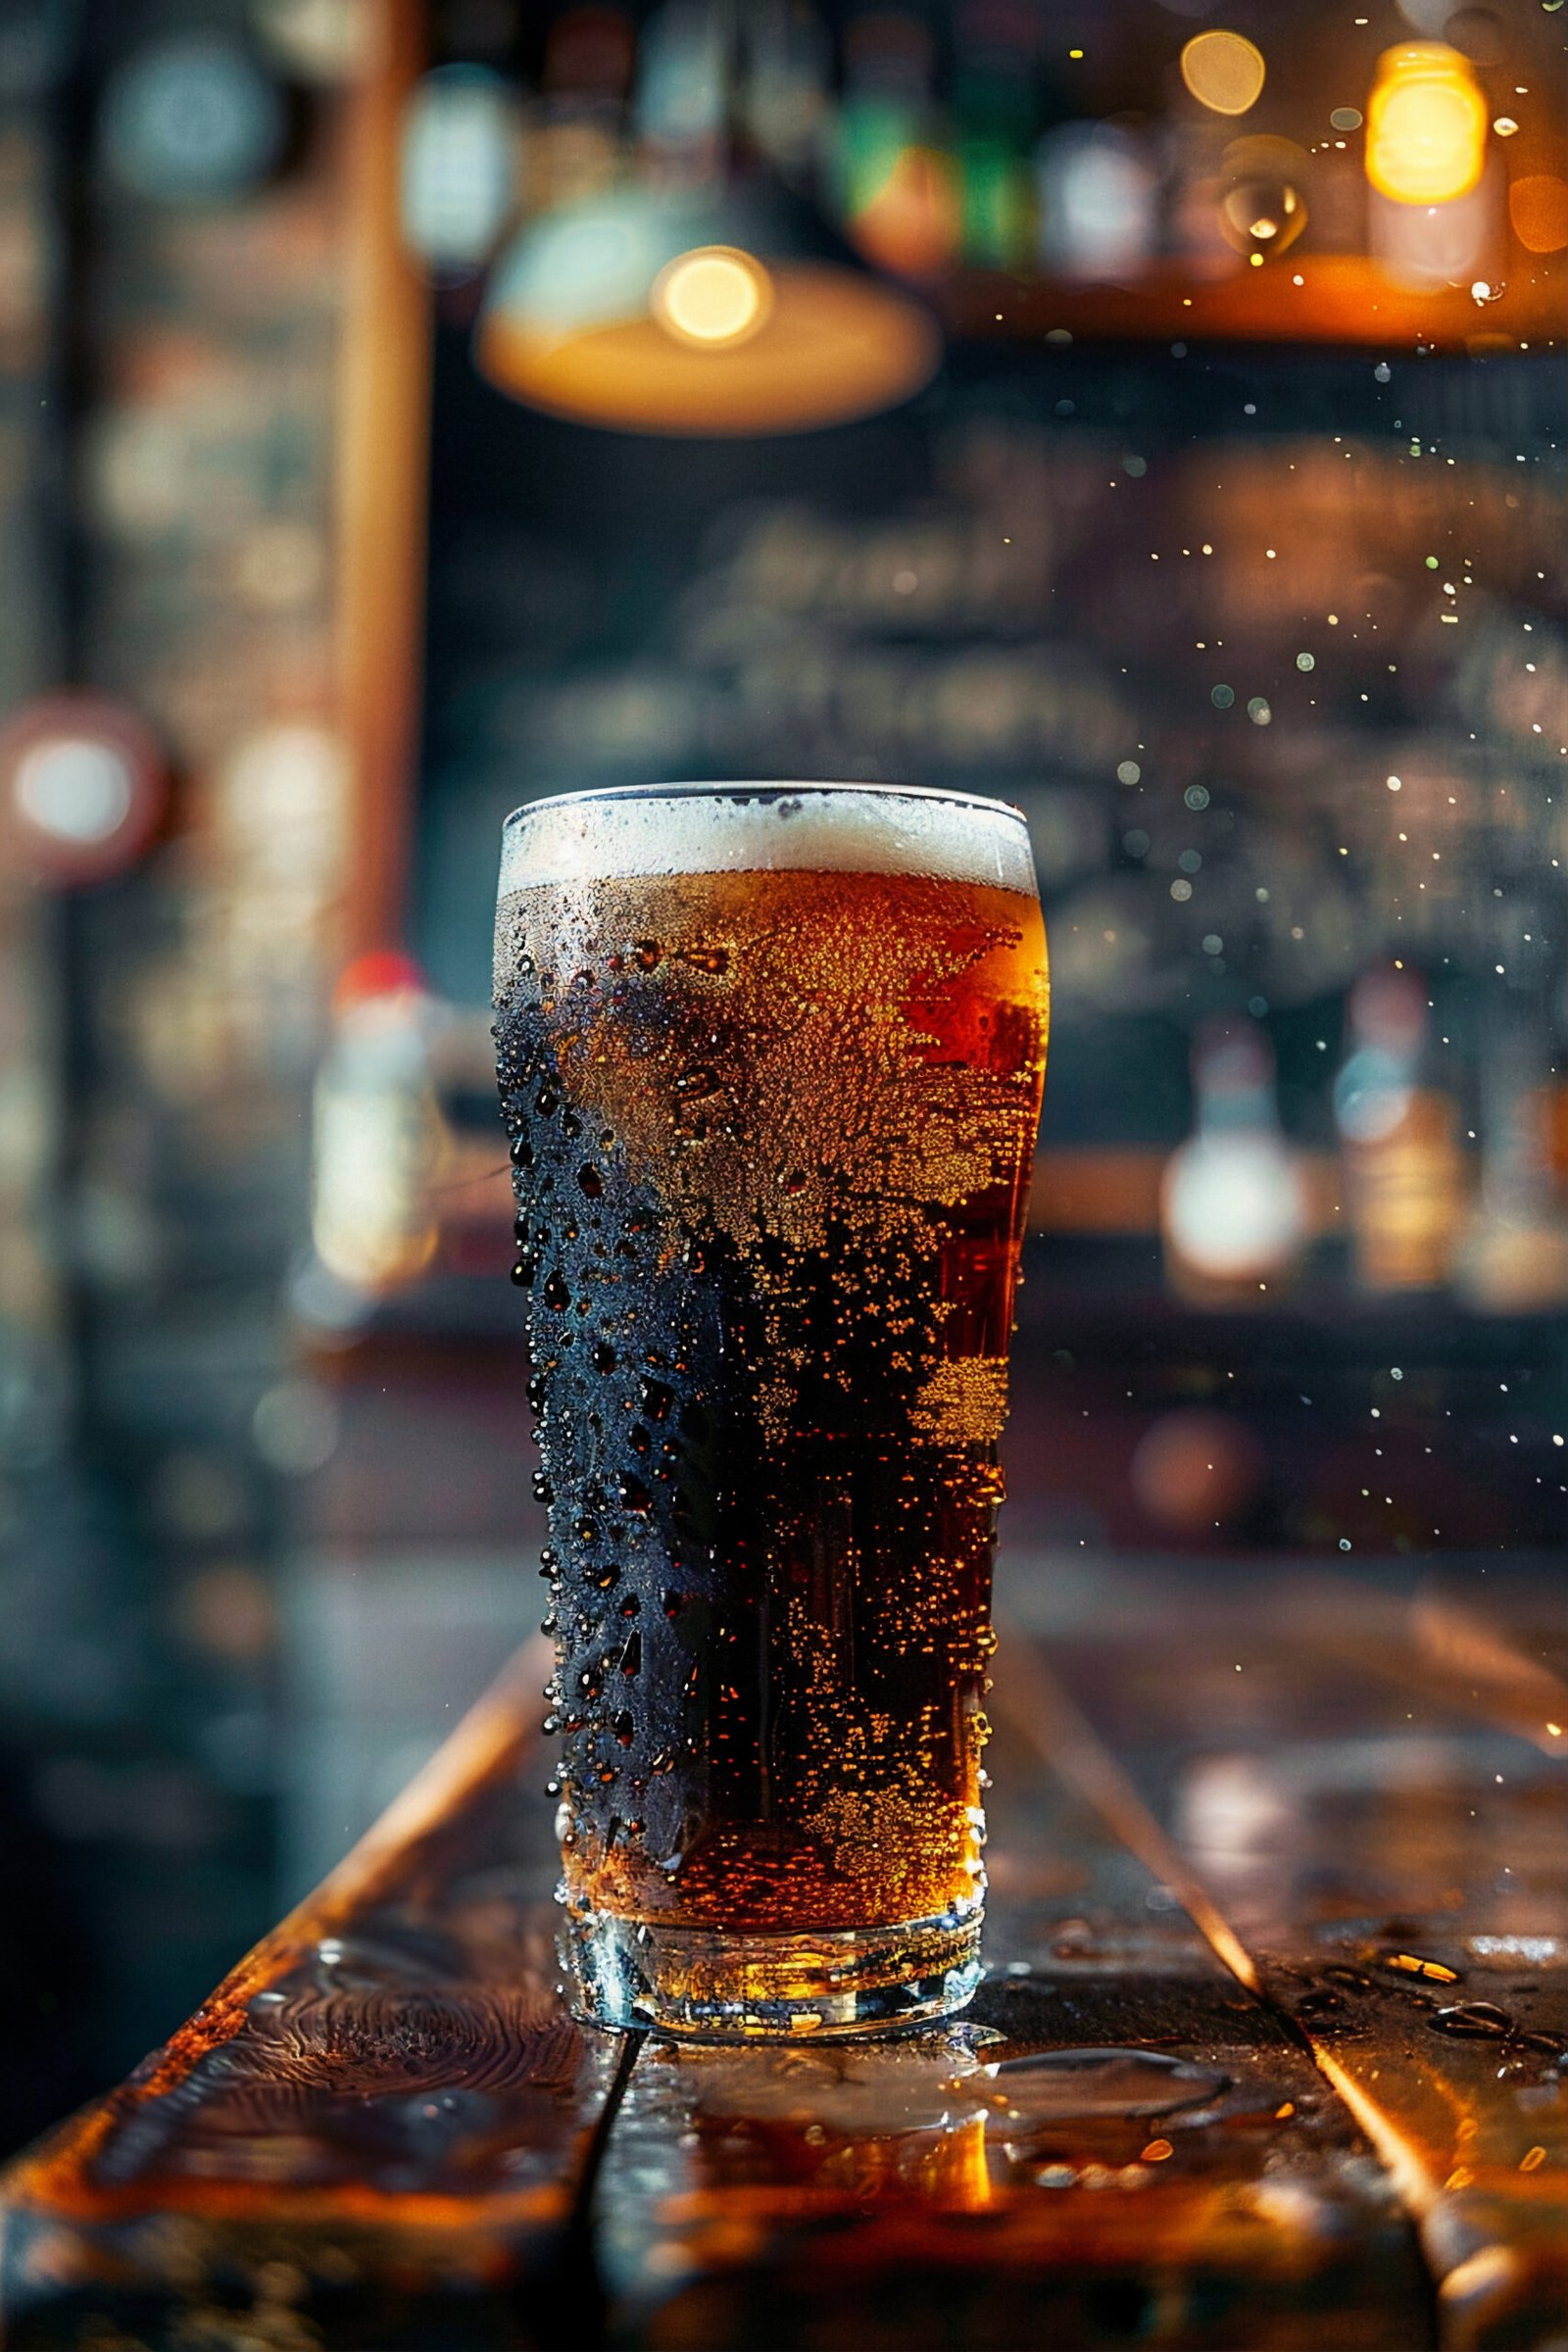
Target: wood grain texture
382	2114
1369	1792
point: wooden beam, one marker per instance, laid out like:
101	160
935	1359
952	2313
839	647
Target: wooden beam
382	461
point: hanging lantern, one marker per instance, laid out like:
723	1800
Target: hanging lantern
719	311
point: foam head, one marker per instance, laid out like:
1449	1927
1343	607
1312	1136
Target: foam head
760	828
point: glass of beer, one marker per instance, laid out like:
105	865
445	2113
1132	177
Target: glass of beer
770	1058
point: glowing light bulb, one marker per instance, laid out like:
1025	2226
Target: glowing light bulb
1224	71
712	297
1426	125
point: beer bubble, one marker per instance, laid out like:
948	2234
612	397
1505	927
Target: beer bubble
604	1357
557	1295
590	1181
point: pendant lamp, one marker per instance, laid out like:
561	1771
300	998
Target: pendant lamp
726	310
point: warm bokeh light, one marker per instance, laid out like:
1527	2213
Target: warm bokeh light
1538	212
713	297
1426	125
1224	71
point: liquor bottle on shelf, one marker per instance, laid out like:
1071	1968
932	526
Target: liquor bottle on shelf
1513	1256
995	116
1436	197
680	107
1405	1172
380	1140
1097	199
785	101
894	179
1234	1210
576	124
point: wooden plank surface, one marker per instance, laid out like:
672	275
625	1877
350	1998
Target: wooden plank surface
374	2133
1210	2094
1370	1791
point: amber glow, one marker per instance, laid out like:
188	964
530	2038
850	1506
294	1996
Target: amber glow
1426	125
1224	72
1538	212
711	298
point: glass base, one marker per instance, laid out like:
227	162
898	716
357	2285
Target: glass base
704	1984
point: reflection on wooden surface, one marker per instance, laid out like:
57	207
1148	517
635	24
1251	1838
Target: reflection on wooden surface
384	2130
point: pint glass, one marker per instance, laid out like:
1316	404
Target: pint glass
770	1058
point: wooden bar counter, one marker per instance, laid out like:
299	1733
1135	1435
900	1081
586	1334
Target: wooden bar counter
1270	2052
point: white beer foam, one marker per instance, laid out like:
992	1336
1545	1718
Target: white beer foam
765	829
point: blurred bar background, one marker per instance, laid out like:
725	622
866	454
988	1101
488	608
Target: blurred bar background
1148	410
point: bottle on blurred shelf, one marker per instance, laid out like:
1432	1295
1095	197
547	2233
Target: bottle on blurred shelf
1434	207
379	1141
681	104
1097	202
786	105
1233	1210
995	116
459	169
894	179
575	148
1405	1172
1513	1256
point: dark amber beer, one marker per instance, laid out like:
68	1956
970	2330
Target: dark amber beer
770	1058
